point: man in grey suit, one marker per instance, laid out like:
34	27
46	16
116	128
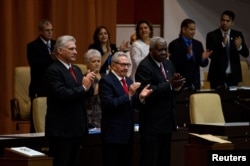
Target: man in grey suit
66	120
156	113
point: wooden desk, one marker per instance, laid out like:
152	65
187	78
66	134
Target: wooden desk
237	133
91	152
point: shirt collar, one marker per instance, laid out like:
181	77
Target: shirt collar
118	77
228	32
65	64
157	63
44	41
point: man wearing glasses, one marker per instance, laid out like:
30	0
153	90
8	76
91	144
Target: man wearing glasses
117	95
39	55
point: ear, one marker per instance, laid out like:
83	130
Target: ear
59	50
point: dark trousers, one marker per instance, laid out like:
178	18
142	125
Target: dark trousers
228	81
65	151
155	150
117	154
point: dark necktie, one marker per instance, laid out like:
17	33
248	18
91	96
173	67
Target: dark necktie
48	45
163	71
124	85
72	73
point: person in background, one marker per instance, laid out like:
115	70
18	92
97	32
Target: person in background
103	44
66	121
156	112
40	56
188	55
132	39
227	45
93	59
127	51
118	98
140	48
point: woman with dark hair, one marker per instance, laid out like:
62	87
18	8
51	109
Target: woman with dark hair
140	48
103	44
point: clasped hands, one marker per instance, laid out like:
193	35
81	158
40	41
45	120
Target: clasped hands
88	80
144	93
177	81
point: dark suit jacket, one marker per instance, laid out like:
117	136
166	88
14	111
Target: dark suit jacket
117	112
66	113
156	115
188	68
39	59
99	48
219	60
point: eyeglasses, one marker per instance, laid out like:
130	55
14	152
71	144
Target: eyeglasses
123	64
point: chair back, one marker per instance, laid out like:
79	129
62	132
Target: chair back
205	108
82	67
39	106
244	71
21	92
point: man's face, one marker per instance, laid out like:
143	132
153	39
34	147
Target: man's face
226	22
68	54
189	31
47	32
121	66
159	53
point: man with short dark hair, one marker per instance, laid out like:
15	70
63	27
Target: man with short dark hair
227	45
188	55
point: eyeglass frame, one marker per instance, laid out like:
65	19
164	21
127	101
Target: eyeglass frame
123	64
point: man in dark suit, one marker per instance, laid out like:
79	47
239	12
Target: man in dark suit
156	113
117	102
188	55
39	57
66	119
227	45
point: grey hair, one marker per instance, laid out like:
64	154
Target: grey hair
118	54
62	41
92	52
155	40
42	23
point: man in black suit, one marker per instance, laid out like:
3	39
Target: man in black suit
66	119
227	45
156	113
188	55
117	103
39	57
